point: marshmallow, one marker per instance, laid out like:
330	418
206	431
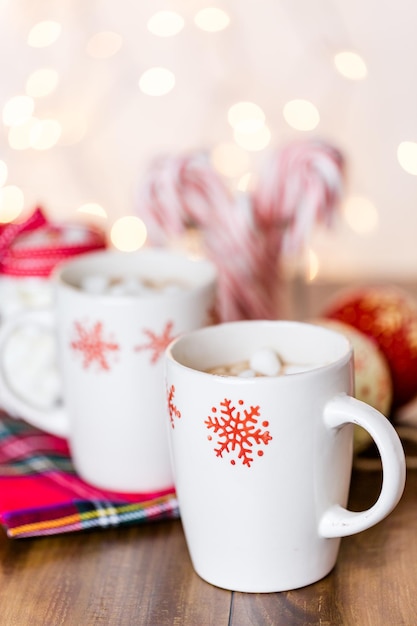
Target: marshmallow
94	283
247	374
134	286
30	365
116	290
265	361
172	288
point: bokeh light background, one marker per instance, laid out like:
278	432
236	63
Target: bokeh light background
91	92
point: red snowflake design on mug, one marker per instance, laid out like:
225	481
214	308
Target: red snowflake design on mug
237	431
92	345
157	343
172	409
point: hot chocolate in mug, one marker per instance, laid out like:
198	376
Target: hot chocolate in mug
262	464
114	314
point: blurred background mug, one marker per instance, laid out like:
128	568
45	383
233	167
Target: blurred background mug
114	314
262	464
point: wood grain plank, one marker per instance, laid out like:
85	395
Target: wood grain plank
374	582
137	575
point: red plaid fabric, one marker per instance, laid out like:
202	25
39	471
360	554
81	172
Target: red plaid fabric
41	494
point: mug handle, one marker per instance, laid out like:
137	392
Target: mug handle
53	420
338	521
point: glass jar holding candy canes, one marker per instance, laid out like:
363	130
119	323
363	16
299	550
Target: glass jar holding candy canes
247	236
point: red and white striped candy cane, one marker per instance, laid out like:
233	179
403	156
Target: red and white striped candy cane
185	191
300	186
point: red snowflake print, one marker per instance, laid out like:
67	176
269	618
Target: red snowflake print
157	343
236	431
172	409
93	346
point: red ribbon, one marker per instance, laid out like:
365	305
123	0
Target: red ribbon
10	232
21	260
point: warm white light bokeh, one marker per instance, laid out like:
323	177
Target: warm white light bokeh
212	19
246	117
90	96
157	81
360	214
350	65
19	136
11	203
301	115
17	110
313	265
256	140
165	23
229	159
44	34
407	156
45	134
42	82
128	233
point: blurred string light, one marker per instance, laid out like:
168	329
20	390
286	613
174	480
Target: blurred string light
11	203
44	34
165	24
45	134
41	82
34	133
229	159
19	135
249	129
407	156
128	233
92	208
157	81
350	65
212	19
301	115
257	140
360	214
246	117
104	45
17	110
313	265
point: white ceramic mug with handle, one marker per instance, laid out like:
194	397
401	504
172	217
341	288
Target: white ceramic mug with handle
262	464
110	349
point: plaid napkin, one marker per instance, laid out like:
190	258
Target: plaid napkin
41	494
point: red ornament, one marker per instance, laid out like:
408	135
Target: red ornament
389	316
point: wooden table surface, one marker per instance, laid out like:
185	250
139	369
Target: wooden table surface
143	575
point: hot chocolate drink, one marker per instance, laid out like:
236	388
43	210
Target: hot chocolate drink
263	362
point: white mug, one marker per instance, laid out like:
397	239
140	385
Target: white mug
262	465
110	358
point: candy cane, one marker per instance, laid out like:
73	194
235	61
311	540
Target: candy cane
180	192
300	186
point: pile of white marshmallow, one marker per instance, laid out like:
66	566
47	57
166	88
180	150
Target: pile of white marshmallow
263	362
99	284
